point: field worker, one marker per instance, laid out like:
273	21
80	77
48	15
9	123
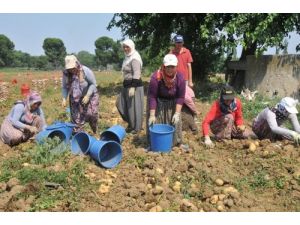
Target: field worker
130	102
25	119
79	84
225	118
268	123
166	96
184	60
189	111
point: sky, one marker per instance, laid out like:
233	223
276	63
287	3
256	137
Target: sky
78	31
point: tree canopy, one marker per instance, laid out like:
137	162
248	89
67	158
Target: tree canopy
55	51
6	51
107	51
208	36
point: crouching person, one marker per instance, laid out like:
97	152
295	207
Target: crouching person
25	119
189	111
268	123
225	118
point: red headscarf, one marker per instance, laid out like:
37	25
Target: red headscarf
169	80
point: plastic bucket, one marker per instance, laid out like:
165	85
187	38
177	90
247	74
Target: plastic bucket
161	137
107	153
81	143
61	130
115	133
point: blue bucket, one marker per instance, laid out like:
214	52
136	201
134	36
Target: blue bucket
161	137
115	133
81	143
107	153
61	130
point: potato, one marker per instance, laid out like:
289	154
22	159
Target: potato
252	147
256	143
219	182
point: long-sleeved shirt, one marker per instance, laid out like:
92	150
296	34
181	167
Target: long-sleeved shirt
17	113
189	99
132	70
270	117
215	112
157	89
88	85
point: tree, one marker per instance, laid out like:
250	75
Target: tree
6	51
107	51
208	36
55	51
21	59
87	59
153	33
40	62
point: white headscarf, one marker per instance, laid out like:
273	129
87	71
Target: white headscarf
133	54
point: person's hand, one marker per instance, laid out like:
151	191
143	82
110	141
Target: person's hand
152	118
85	99
190	83
175	118
296	137
241	128
208	143
64	102
131	92
32	129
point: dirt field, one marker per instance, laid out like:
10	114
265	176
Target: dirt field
230	177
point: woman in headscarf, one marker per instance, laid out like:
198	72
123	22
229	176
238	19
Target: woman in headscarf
225	118
25	119
166	96
130	102
268	123
79	84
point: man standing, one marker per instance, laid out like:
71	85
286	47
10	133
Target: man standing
184	60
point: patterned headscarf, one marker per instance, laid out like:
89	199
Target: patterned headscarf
32	98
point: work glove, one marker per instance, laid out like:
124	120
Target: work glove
64	102
152	118
32	129
241	128
131	92
208	143
296	137
175	118
85	99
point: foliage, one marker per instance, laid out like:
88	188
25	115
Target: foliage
87	59
55	51
6	51
107	51
208	36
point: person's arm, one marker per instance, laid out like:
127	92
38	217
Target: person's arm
42	115
190	75
271	120
295	122
91	80
153	92
180	94
16	116
239	113
190	72
136	69
210	116
64	86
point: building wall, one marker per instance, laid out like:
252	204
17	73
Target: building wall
271	74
